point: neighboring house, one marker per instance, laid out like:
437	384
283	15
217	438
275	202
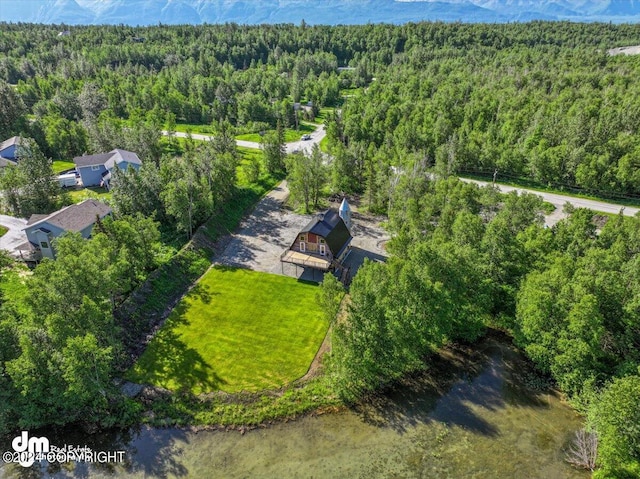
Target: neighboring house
6	162
9	150
95	170
42	229
322	244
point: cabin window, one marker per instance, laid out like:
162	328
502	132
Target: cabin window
323	251
44	244
321	241
303	237
95	167
303	247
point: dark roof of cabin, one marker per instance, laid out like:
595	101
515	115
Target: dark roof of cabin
330	226
74	217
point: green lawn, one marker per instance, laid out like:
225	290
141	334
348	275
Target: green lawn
3	231
59	166
324	144
193	128
325	113
94	192
236	330
289	134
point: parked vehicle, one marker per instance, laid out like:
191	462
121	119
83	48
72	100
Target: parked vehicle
67	180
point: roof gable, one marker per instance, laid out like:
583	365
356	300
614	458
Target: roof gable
14	140
332	228
73	218
109	160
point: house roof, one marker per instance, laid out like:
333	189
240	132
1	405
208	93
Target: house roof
109	160
35	218
7	162
332	228
14	140
74	217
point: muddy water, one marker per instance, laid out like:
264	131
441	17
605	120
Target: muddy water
474	415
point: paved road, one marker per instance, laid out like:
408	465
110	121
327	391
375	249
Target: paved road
559	201
15	236
303	145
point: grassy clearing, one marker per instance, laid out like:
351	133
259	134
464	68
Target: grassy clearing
92	192
236	330
348	92
60	166
246	156
324	114
148	305
193	128
290	135
3	231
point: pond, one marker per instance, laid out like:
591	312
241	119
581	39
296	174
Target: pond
478	412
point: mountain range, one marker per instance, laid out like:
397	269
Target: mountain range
150	12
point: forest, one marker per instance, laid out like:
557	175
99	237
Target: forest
406	108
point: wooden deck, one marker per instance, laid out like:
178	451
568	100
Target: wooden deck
307	260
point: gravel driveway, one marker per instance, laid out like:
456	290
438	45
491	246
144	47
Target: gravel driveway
270	229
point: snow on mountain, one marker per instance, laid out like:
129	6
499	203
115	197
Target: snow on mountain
149	12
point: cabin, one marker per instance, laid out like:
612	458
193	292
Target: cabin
323	243
95	170
41	230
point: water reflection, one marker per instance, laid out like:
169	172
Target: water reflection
470	415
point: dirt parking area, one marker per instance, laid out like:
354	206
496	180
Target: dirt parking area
271	228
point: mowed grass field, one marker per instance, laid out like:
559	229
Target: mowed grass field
236	330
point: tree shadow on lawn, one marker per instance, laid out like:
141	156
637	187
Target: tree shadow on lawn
176	365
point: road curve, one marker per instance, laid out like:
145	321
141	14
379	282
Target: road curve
301	145
559	201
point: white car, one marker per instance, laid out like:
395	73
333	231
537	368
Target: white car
306	137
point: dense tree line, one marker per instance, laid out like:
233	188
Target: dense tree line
541	101
59	342
465	258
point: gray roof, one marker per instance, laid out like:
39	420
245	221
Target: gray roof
7	162
14	140
114	157
332	228
35	218
74	217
